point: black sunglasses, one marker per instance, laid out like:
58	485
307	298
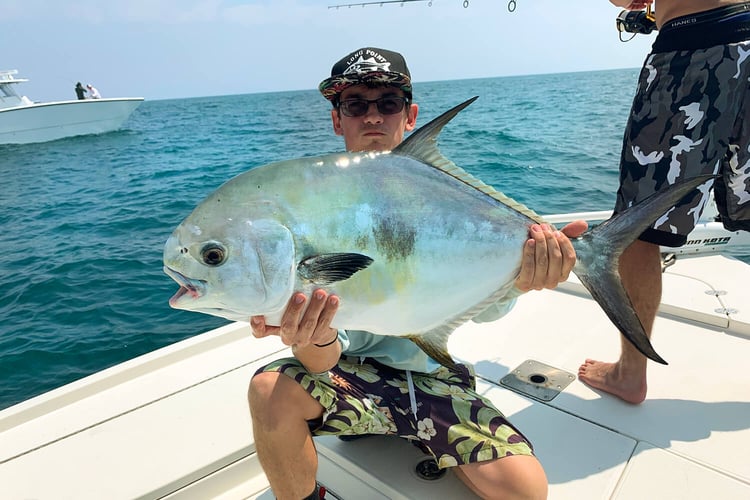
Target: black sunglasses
386	105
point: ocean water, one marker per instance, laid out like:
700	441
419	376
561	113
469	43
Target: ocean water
84	219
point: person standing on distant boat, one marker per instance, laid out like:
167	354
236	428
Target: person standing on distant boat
687	119
352	383
93	93
80	91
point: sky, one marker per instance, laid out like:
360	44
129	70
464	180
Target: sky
162	49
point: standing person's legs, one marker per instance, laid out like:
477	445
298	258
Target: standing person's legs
640	271
686	112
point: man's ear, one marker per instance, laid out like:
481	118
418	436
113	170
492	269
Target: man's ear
411	119
336	120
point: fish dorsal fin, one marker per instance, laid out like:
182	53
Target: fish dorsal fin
422	145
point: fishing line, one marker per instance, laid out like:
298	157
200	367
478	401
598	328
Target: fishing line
465	3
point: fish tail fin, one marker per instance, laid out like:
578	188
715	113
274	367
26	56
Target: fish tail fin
598	254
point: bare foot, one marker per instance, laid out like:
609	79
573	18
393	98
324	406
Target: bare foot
612	378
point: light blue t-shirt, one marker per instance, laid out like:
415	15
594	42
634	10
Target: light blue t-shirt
402	353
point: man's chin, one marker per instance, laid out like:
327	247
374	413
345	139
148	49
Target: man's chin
371	143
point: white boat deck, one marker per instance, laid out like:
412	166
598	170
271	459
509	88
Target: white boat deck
174	423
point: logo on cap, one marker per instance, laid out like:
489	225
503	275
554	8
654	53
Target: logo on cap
362	65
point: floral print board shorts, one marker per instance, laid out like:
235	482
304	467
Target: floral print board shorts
453	423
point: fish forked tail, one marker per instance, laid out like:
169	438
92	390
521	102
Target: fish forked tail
598	253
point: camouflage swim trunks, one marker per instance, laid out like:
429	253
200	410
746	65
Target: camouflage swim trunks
688	119
453	423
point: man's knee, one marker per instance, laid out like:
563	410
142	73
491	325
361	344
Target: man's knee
262	388
513	477
274	398
529	480
640	247
640	256
266	397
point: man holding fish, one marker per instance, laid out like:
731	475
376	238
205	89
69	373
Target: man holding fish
352	383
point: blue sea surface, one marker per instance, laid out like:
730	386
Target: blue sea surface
84	219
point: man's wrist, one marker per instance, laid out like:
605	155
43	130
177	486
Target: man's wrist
335	338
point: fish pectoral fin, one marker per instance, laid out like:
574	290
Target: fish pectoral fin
435	344
328	268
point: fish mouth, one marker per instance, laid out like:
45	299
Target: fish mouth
192	288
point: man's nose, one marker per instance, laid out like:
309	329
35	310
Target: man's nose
373	113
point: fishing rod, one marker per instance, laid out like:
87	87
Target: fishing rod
511	4
383	2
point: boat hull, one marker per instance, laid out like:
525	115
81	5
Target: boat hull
49	121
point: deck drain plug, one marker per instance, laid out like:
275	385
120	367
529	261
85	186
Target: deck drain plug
537	380
428	469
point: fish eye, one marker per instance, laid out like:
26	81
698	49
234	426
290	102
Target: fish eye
213	254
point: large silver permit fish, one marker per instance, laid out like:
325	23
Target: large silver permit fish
413	245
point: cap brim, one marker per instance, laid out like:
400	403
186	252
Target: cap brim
335	85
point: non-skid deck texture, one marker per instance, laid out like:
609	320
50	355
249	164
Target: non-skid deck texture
698	407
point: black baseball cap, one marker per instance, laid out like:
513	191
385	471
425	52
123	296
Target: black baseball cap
369	66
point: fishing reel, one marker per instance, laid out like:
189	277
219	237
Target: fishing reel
636	21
